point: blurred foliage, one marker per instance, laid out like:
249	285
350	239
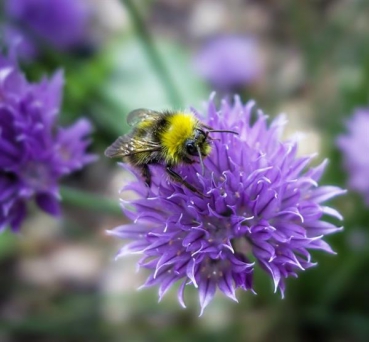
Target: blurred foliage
149	65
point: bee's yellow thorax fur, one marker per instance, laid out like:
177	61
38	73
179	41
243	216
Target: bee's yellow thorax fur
181	127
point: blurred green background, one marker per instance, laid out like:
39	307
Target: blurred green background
59	281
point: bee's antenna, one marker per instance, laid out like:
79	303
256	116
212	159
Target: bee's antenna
221	131
201	162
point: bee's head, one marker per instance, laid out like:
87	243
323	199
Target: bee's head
199	146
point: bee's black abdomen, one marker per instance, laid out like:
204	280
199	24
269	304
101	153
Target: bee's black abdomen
145	171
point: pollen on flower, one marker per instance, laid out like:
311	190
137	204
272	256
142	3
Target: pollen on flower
264	208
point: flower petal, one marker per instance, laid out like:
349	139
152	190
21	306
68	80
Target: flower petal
206	293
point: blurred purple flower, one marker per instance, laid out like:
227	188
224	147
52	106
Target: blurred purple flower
264	205
34	151
354	146
61	24
229	62
13	38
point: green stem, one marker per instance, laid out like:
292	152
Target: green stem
89	201
153	54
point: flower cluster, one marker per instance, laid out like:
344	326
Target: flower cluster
230	62
61	24
34	151
263	208
352	146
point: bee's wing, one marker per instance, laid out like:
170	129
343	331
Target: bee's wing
141	114
126	145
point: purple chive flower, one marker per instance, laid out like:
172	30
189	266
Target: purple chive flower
34	151
264	209
14	38
61	24
352	145
229	62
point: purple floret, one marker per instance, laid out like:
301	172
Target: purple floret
34	151
229	62
61	24
264	209
355	146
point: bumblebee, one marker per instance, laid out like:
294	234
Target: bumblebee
168	138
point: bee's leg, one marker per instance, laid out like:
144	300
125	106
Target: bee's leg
145	172
177	178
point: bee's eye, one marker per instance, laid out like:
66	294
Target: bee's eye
191	149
